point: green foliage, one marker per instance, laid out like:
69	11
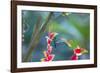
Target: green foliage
74	43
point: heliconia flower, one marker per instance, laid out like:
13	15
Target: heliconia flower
47	54
52	35
49	49
48	57
48	40
79	51
74	57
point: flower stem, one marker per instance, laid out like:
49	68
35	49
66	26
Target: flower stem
36	38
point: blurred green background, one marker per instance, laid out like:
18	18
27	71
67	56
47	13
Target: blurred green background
68	25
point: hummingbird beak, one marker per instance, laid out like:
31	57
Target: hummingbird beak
67	42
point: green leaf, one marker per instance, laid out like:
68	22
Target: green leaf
74	43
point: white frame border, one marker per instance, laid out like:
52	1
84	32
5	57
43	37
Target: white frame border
53	63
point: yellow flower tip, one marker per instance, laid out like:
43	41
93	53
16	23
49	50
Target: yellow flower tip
85	51
45	54
42	60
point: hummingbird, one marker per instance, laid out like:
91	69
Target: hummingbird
77	50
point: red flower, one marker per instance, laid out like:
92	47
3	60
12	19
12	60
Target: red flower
48	57
52	35
47	54
74	57
49	41
49	49
78	51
